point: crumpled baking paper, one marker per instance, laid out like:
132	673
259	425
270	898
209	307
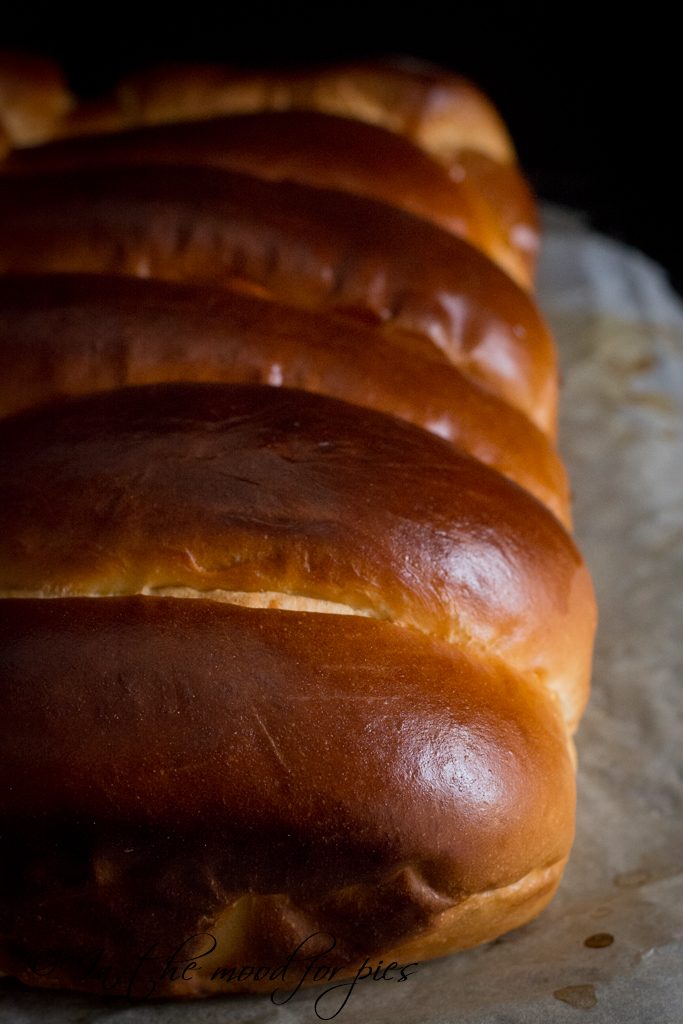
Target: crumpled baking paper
610	947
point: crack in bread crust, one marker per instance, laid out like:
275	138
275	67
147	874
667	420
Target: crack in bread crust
276	738
280	601
302	500
247	599
279	664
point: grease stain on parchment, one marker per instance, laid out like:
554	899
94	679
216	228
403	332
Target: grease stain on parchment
581	997
599	941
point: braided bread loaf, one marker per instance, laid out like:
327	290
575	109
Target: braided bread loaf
268	396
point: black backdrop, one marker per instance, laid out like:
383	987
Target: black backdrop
590	91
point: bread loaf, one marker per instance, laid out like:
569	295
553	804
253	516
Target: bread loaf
481	196
294	637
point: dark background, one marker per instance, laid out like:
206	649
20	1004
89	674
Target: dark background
590	92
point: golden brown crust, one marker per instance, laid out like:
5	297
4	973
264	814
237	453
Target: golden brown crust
70	334
325	151
271	758
318	248
300	671
34	98
503	201
251	489
441	112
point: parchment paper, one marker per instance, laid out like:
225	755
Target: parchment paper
620	333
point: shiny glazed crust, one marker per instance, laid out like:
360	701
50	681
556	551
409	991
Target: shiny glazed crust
379	753
318	248
278	490
442	114
293	637
321	150
64	334
34	100
255	486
